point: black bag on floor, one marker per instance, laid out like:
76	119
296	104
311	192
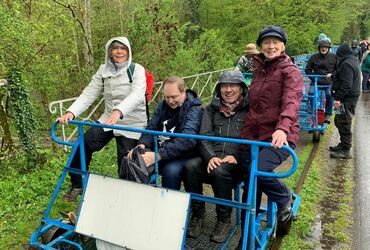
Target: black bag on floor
134	169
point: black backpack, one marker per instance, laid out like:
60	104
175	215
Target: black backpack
134	169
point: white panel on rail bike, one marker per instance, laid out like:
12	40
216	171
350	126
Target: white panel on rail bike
133	215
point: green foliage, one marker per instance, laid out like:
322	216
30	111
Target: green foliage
23	113
24	196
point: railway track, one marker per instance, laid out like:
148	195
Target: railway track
279	239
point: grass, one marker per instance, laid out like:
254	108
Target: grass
317	189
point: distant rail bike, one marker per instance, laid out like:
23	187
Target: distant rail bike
312	108
129	215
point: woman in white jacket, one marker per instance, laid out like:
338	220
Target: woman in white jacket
124	105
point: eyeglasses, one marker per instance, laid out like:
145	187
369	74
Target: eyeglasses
173	97
224	86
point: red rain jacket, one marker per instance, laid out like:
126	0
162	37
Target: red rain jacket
275	95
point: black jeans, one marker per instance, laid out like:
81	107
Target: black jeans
94	140
223	179
343	122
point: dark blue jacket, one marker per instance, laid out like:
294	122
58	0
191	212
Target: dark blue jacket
188	122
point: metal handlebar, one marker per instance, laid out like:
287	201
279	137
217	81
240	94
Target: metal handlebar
254	144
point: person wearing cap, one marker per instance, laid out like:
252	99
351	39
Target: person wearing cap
217	163
274	98
124	105
323	63
244	63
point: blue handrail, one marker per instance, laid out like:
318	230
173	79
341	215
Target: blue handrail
190	136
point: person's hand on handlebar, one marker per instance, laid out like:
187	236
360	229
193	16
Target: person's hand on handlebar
65	118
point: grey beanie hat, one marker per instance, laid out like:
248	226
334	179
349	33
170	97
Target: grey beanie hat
324	40
231	76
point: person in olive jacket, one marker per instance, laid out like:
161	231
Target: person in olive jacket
346	91
218	163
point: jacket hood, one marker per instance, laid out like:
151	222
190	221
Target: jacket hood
344	50
122	40
216	99
192	98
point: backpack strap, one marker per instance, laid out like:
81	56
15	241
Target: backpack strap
130	71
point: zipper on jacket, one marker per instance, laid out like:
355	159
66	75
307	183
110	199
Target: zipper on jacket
227	135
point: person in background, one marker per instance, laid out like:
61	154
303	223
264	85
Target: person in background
356	50
245	64
323	63
218	163
274	98
365	68
346	91
124	105
179	112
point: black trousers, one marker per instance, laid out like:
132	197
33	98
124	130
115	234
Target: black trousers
223	179
277	191
94	140
268	159
343	122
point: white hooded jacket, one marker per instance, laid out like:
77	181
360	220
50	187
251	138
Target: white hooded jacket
119	93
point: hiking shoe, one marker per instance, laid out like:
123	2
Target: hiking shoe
341	154
337	148
72	194
285	213
195	226
327	119
221	231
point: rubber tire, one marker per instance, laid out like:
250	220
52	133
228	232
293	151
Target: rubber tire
283	228
316	136
52	234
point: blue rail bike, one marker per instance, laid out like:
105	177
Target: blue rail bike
312	109
130	215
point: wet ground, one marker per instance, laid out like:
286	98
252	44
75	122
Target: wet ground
362	174
339	174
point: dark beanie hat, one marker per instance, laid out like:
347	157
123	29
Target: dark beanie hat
274	31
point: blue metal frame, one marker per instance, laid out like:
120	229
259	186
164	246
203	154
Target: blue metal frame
254	237
311	103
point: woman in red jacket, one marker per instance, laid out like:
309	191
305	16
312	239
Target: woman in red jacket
275	94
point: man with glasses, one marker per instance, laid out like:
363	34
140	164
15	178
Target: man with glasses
217	163
179	112
323	63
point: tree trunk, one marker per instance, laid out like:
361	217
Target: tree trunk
88	52
6	141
